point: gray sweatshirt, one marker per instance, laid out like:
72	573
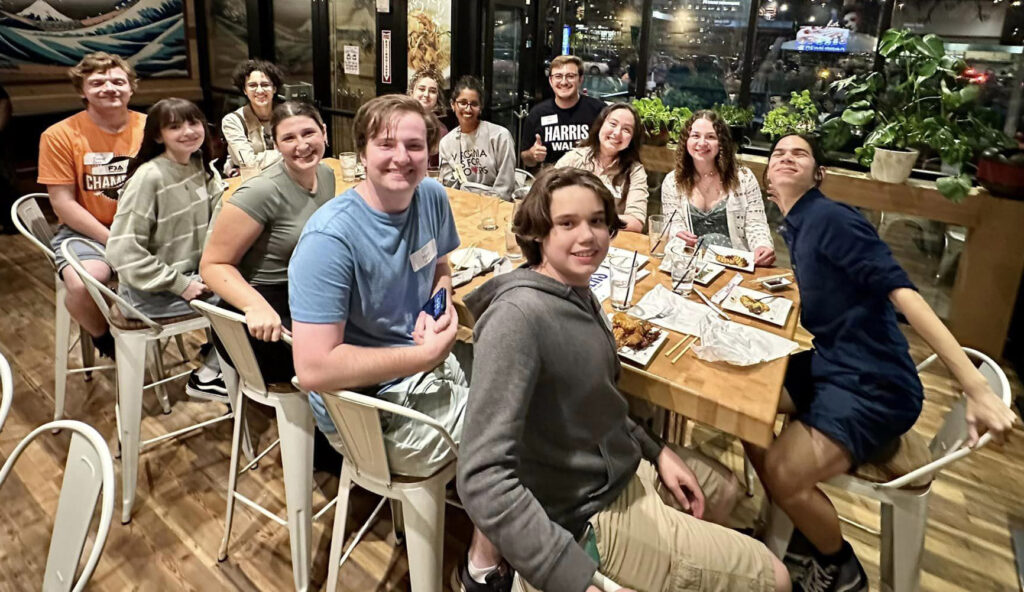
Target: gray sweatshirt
547	441
486	156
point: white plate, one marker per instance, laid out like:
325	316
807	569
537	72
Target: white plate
709	256
644	356
641	259
778	307
708	273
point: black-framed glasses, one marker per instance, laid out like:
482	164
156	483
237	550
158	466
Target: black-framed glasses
467	104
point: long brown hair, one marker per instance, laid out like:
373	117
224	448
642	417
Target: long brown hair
628	156
162	114
725	163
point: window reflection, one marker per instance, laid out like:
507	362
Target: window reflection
605	35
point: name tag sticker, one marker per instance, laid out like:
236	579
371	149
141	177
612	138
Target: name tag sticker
549	120
92	158
201	192
424	255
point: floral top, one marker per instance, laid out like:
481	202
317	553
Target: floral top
747	222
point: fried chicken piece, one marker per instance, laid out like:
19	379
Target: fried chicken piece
754	306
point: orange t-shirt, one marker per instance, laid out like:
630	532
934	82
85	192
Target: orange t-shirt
77	152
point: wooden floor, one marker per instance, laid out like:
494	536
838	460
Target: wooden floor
172	541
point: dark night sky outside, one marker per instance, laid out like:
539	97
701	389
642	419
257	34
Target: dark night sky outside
76	9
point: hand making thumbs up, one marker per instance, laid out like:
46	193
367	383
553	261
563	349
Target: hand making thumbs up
538	152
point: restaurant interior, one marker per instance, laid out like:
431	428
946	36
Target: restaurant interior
118	476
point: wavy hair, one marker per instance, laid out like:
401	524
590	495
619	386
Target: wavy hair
725	162
432	73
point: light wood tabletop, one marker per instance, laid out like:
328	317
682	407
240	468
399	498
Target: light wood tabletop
742	401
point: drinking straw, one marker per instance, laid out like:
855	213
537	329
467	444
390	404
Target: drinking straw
696	248
632	274
668	224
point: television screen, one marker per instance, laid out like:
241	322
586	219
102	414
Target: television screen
827	39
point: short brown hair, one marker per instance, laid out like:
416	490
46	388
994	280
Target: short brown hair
377	114
564	60
100	61
532	222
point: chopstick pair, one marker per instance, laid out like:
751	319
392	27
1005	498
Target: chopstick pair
676	346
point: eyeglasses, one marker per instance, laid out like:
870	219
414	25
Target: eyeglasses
259	85
566	77
467	104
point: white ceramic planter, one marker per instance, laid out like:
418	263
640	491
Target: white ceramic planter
893	166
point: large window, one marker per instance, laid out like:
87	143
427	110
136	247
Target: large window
293	40
696	50
229	39
605	35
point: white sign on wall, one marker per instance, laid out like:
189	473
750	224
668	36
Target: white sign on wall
352	59
385	56
383	5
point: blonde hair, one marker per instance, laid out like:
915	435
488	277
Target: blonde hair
100	61
564	60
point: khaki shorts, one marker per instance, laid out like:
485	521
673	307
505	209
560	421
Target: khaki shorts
646	544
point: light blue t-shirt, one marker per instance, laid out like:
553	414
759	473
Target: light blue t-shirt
372	270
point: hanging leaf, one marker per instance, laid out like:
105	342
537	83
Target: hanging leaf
954	188
858	117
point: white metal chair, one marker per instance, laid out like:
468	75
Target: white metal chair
6	390
421	500
295	435
89	469
904	500
29	220
134	342
523	178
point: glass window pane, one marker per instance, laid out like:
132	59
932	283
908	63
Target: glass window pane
804	45
354	27
696	49
229	39
293	40
605	35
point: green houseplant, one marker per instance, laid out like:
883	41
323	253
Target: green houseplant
919	101
738	119
660	123
798	115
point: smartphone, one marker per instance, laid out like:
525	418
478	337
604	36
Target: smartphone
437	304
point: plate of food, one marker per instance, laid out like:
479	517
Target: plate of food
637	340
707	273
734	258
765	307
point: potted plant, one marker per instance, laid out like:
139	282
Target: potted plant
1002	172
737	118
920	101
660	122
680	115
799	115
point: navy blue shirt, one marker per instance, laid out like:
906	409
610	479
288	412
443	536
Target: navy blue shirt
845	274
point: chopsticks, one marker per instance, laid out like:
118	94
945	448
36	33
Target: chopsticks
470	253
669	353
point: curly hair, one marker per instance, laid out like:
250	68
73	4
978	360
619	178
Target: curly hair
532	222
434	74
725	163
628	156
244	69
100	61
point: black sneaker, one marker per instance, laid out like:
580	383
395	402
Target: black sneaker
211	390
105	345
847	576
799	555
499	580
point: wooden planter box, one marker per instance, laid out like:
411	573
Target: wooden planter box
991	265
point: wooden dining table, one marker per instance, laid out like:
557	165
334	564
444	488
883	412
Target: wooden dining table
740	400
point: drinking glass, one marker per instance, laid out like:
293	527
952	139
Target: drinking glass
623	277
512	250
683	272
655	230
348	166
489	212
248	172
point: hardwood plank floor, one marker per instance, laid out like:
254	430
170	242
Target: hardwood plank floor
172	541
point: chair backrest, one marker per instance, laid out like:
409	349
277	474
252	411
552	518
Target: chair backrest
6	390
948	444
230	329
101	294
28	218
357	418
523	178
89	470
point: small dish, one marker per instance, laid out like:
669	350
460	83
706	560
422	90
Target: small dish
778	307
642	357
776	284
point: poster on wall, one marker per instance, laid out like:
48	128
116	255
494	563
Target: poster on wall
40	39
430	37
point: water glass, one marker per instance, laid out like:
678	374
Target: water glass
683	272
248	172
512	249
348	166
657	234
489	212
623	277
